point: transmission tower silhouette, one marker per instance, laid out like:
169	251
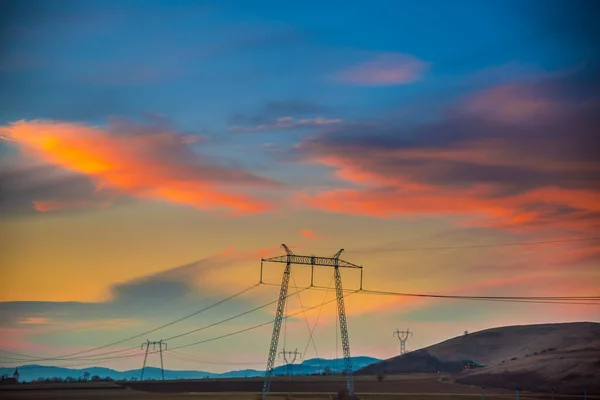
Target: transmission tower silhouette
160	345
289	357
288	259
403	337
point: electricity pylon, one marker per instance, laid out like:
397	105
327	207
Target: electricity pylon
289	357
288	259
403	337
160	345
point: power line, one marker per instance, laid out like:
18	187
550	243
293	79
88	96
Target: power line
539	300
254	326
16	354
310	335
225	335
235	332
70	355
570	300
230	318
91	357
231	333
176	336
317	319
477	246
86	359
581	300
485	297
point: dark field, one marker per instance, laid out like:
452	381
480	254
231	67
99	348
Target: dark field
408	387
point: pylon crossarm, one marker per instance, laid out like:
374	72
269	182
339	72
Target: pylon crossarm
311	260
287	250
338	254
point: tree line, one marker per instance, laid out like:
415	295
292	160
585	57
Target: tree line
86	377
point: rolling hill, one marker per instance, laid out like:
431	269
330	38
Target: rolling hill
565	357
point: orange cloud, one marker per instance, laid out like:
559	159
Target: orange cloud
307	233
476	204
137	161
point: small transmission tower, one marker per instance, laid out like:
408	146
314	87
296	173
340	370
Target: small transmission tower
288	259
160	345
403	337
289	357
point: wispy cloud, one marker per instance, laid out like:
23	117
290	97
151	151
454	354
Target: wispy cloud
287	123
149	162
35	321
270	111
54	205
513	103
384	69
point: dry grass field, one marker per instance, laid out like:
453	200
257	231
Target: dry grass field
405	387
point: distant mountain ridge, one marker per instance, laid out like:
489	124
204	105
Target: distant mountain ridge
311	366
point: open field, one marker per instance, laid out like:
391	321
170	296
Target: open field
406	387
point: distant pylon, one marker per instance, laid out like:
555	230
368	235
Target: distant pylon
289	357
160	345
403	337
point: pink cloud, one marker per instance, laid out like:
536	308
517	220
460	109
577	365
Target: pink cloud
385	69
512	103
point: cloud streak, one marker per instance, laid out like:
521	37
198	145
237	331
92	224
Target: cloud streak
384	69
142	161
287	123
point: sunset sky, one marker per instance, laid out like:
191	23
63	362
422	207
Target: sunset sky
151	152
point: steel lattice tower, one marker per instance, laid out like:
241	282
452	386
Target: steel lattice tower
160	345
289	357
403	337
335	262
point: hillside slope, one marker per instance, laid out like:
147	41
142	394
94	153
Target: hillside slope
571	370
544	355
